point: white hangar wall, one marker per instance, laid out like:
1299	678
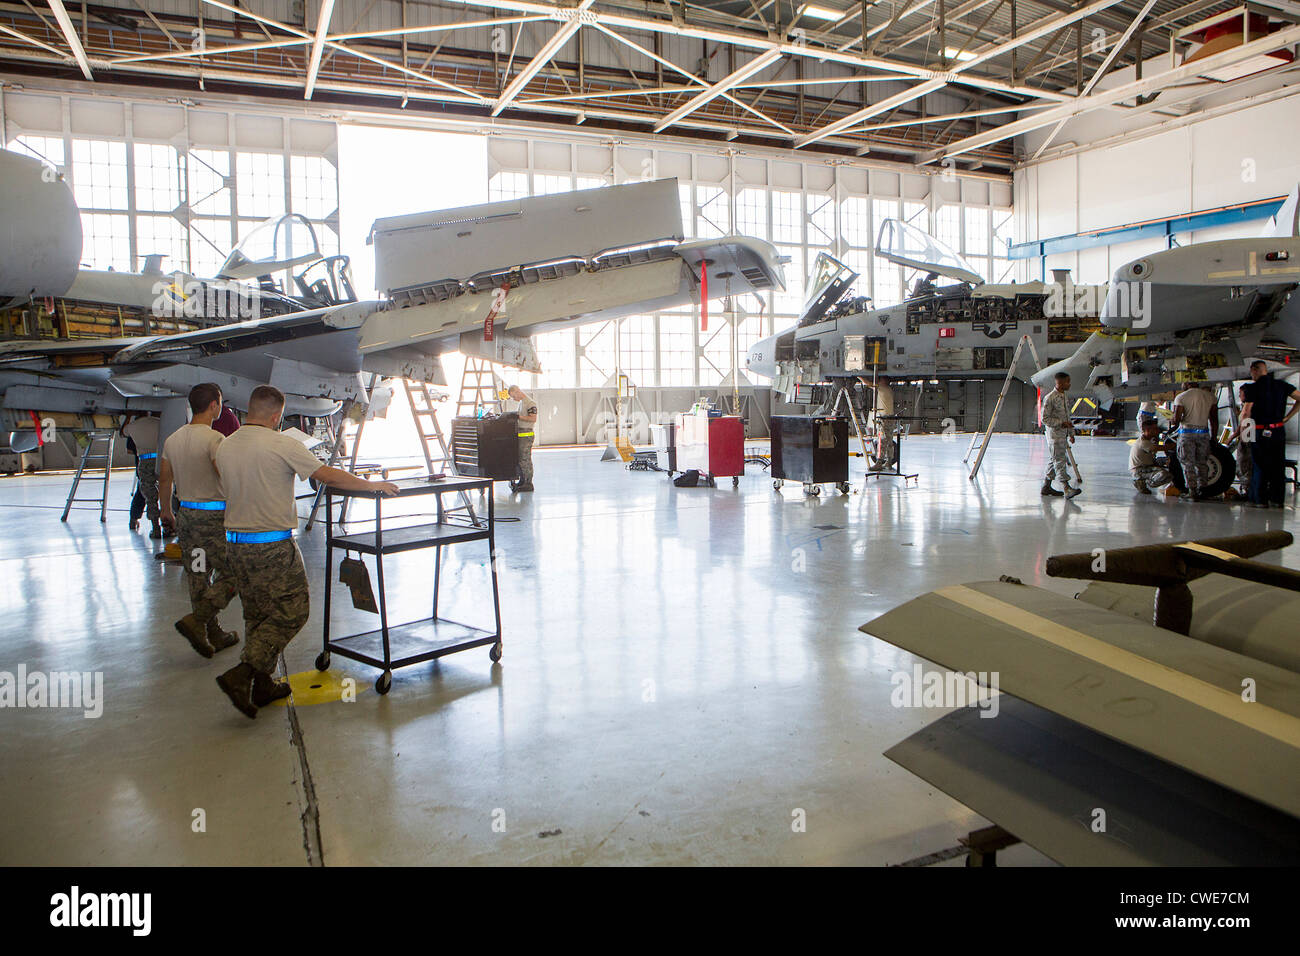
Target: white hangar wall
1250	154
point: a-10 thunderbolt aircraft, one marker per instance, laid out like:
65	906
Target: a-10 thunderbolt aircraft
1195	313
480	279
845	347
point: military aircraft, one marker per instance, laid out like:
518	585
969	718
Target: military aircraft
844	346
481	279
1206	311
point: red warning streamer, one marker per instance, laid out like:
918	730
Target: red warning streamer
498	301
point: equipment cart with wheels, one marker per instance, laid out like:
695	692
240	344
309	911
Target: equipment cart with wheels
400	645
812	450
713	445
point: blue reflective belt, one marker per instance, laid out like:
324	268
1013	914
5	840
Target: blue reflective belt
257	537
204	505
1193	431
147	457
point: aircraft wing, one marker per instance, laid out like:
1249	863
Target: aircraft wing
1042	777
737	264
1154	690
268	334
45	354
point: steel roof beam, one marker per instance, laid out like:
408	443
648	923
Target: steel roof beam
1093	101
70	34
318	45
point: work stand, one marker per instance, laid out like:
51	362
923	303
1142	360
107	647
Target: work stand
400	645
895	469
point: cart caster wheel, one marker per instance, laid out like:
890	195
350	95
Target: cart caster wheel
495	652
843	487
384	683
323	661
776	485
815	491
735	482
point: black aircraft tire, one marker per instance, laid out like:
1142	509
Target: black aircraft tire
1221	471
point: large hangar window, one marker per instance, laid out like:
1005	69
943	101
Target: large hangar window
179	183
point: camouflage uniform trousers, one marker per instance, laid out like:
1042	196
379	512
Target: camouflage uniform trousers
213	586
272	585
146	473
1153	476
1245	461
1193	454
1058	456
526	459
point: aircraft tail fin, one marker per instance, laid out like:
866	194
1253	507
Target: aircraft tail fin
1285	223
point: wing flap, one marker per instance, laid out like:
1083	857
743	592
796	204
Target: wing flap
1041	777
1167	695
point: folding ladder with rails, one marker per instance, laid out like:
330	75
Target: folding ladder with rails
475	393
90	457
345	445
433	442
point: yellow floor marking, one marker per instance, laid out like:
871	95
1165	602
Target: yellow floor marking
1225	703
322	687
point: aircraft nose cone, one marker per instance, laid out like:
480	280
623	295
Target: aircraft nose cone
761	358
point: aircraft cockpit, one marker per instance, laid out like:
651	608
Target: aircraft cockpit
278	246
902	243
829	281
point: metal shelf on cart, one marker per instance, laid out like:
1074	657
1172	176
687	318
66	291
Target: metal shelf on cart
409	538
419	486
412	643
388	647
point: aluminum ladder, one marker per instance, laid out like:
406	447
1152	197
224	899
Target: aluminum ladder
346	443
90	457
438	458
473	388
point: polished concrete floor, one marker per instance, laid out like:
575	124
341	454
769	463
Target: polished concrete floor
683	674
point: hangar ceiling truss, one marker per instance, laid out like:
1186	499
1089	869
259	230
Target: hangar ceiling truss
948	82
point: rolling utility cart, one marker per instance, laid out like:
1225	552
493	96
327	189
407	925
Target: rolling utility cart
811	449
400	645
713	445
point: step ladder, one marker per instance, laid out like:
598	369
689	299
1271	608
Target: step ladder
433	441
345	443
479	388
987	434
103	458
844	396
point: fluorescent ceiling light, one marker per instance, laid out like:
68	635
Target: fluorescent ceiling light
818	12
951	53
